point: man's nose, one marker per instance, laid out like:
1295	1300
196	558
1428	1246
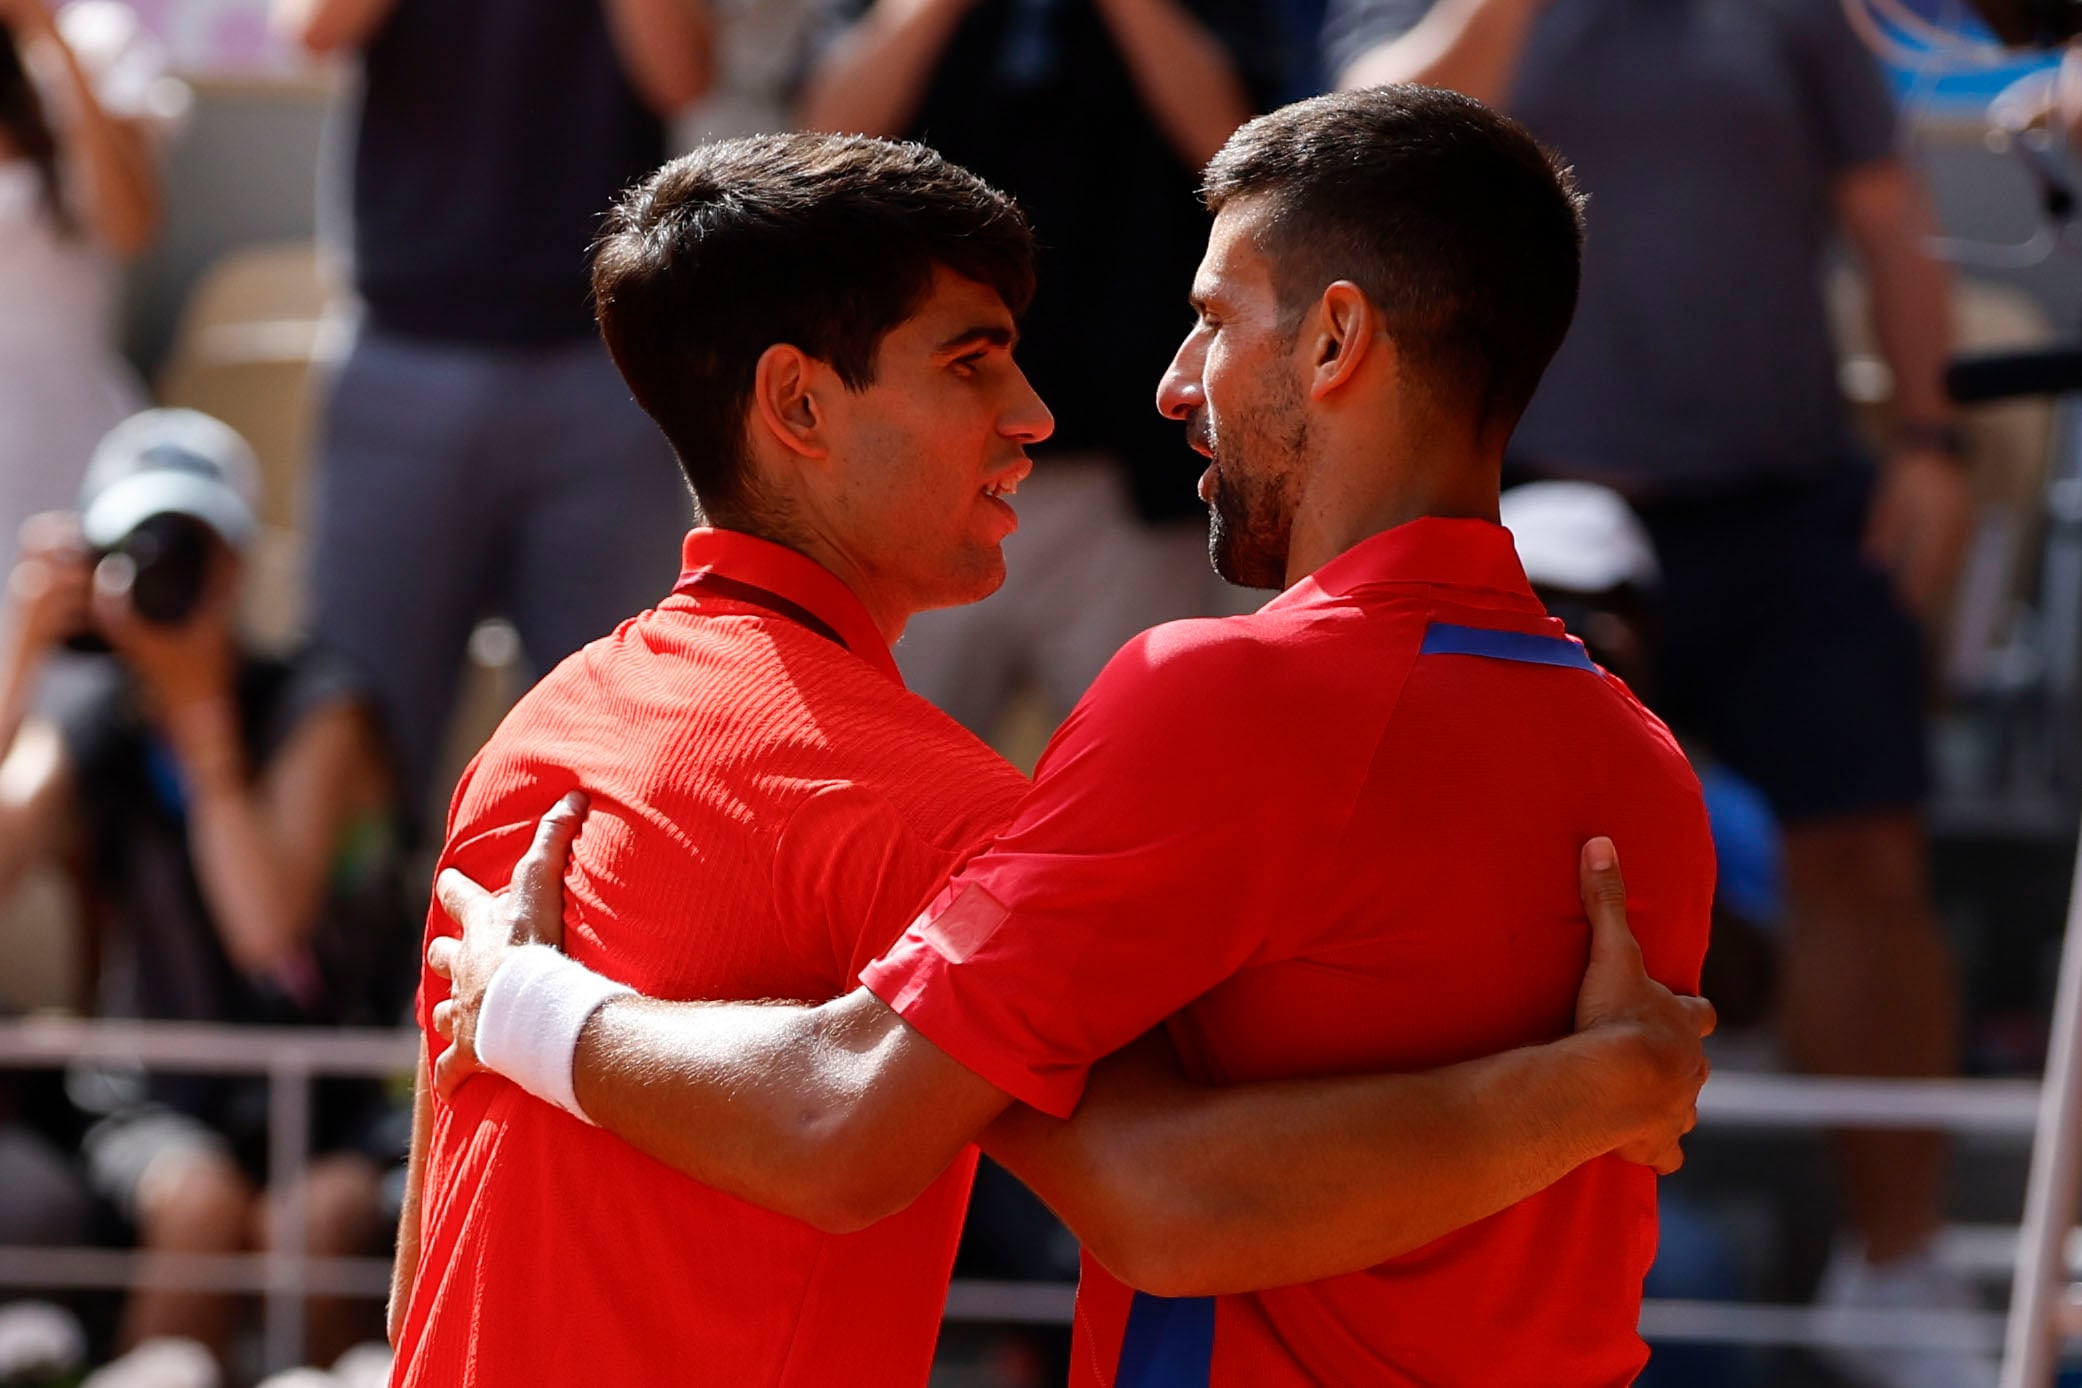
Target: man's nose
1179	393
1028	419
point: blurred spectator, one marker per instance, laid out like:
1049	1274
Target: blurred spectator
1096	115
480	454
80	93
1721	145
230	812
759	48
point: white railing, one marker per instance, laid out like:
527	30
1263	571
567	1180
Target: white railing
284	1275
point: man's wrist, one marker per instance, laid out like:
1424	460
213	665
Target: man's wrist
1942	438
1619	1079
534	1010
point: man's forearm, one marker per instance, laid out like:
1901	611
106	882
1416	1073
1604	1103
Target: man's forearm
1189	1191
665	48
1184	76
1468	46
406	1266
1888	219
874	78
836	1115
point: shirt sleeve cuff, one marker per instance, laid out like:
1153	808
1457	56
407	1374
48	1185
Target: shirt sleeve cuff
925	988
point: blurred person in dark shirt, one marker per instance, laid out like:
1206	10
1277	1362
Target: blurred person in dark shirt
1096	115
231	815
479	454
1724	147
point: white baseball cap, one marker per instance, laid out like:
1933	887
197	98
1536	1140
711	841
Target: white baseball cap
1579	537
170	461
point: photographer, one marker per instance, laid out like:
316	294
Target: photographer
231	812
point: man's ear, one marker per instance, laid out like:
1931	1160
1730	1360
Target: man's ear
1343	332
785	407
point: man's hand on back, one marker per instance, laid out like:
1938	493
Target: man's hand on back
1661	1061
529	911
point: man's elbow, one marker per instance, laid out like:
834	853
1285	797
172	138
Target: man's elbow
844	1175
1152	1256
839	1201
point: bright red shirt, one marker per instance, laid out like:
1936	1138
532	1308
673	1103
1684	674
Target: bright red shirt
1337	835
768	808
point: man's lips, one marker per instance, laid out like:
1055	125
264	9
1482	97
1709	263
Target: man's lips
1007	482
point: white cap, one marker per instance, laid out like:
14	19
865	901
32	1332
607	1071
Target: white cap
178	461
1579	537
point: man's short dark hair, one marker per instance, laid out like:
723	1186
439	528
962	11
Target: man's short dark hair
824	242
1449	216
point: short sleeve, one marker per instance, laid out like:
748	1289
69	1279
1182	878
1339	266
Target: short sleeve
1164	845
1845	89
849	872
1353	28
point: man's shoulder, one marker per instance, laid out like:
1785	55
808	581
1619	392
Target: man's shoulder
1287	649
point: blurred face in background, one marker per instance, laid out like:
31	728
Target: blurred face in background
1236	384
926	457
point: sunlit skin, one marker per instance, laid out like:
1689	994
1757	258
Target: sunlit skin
1236	383
1319	431
899	488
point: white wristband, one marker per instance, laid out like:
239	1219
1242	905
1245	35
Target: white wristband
534	1009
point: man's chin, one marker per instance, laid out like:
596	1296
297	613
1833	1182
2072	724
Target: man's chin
1240	564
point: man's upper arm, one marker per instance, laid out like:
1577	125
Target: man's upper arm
1136	875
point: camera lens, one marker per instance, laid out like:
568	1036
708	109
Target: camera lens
170	558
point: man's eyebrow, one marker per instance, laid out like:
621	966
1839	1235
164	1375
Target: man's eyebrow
982	335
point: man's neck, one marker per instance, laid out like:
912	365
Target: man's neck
1359	494
889	616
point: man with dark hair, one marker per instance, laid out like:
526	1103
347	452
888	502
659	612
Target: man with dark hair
1097	116
1733	152
1326	838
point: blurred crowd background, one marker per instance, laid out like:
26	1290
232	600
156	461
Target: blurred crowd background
310	460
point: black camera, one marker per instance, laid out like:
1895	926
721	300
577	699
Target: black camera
2032	23
168	558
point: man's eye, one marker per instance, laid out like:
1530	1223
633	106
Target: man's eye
968	364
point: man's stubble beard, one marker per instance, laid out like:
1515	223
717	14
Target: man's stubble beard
1251	519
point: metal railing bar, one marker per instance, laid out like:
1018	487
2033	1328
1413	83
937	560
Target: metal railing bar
207	1048
23	1265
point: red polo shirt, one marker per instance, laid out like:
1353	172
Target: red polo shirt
769	807
1337	835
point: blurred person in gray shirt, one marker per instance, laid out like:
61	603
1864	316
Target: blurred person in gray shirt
480	454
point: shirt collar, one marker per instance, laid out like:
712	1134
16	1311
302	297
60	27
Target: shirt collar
794	577
1445	552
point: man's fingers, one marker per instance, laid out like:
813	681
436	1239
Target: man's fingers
1700	1014
459	896
1604	895
453	1067
444	1019
441	955
446	1077
539	878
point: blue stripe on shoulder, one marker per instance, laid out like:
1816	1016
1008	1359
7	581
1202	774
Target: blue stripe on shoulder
1169	1344
1443	638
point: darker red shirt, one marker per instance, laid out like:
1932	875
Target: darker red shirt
1337	835
768	807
